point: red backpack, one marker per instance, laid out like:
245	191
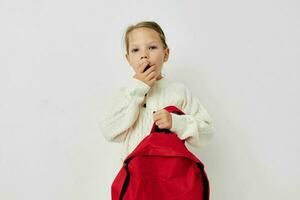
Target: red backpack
161	168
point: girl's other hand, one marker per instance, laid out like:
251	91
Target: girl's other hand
163	119
148	76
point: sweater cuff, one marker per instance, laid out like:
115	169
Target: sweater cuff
177	126
136	87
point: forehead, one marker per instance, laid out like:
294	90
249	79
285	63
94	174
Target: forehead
143	36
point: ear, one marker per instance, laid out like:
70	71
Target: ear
167	53
127	57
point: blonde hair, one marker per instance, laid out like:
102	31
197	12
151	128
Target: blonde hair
145	24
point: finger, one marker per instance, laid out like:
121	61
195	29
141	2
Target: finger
149	70
142	66
156	113
157	118
160	122
162	119
161	113
146	69
163	125
152	81
150	76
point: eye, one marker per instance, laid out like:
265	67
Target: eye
153	47
134	50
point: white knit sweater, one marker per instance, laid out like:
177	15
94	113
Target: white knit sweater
129	116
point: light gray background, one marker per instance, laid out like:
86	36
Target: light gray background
59	58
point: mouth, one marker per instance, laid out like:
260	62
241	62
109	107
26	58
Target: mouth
148	66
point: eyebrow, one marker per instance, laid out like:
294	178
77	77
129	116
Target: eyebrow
148	43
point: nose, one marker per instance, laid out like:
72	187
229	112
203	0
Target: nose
144	54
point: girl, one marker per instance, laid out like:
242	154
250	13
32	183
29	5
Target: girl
140	102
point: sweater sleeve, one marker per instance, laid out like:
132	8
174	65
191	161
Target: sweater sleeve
122	110
196	126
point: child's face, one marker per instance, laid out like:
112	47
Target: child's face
145	43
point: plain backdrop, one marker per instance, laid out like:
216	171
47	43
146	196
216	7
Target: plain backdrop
59	58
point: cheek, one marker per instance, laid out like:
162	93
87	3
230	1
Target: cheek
161	58
136	68
134	64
